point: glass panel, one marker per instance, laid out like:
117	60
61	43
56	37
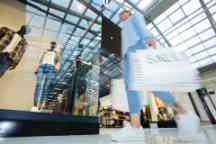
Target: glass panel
192	31
197	49
176	16
37	21
63	3
135	1
214	58
172	9
202	26
84	23
205	62
72	19
192	6
210	42
166	24
77	7
176	41
91	14
212	51
173	34
52	24
190	43
181	47
143	4
50	34
35	32
188	34
207	34
198	18
107	13
60	69
160	18
202	55
182	2
213	9
67	28
58	13
36	4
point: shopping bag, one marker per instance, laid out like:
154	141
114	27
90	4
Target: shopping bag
162	69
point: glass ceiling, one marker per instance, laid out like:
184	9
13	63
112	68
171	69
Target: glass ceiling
76	24
187	27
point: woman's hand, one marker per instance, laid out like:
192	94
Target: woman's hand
151	43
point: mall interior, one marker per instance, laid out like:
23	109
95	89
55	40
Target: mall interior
62	79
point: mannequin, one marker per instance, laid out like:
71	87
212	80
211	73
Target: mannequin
12	47
48	67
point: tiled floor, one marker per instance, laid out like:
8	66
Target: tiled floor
163	136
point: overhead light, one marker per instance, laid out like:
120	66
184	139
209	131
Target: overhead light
144	4
81	7
6	127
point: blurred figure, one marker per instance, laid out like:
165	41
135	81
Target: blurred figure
12	47
136	36
46	72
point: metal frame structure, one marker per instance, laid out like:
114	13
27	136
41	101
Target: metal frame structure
185	33
82	40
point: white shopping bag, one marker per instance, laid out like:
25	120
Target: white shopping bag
119	96
162	70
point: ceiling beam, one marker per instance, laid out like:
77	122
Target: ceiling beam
157	9
56	16
63	9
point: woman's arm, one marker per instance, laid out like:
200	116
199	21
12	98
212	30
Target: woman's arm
141	29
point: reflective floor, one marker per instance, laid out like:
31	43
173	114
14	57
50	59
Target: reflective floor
163	136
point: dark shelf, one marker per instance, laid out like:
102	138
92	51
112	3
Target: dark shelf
23	123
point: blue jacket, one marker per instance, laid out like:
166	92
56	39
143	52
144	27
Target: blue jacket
133	31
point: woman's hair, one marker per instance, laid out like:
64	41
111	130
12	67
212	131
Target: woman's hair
125	11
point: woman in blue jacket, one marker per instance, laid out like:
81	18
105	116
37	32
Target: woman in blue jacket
136	36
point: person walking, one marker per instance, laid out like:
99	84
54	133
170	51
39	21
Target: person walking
136	36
